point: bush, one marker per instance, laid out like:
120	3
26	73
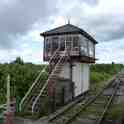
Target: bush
22	76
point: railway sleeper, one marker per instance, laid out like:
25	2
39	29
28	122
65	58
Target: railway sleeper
91	116
84	121
92	109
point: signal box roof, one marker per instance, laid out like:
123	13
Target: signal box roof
68	29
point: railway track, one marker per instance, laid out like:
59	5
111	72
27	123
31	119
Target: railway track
92	109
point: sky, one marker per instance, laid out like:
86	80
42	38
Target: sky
22	21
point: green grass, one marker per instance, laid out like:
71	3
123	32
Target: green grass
101	73
116	111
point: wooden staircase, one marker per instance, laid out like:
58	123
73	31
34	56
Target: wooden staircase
35	98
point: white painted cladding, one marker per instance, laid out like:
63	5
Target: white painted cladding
86	77
80	76
76	78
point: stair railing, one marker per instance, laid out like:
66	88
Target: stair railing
3	106
45	85
36	80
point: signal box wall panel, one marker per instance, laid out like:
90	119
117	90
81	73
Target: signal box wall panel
80	77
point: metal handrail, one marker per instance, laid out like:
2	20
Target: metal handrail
41	72
3	106
45	85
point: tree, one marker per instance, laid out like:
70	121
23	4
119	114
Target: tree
18	61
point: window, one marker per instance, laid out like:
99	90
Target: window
75	43
47	45
69	42
84	46
55	43
68	38
62	43
68	45
91	49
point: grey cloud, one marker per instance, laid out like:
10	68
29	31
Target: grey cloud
117	33
90	2
105	27
18	18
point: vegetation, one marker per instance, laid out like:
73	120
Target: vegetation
116	111
100	73
23	74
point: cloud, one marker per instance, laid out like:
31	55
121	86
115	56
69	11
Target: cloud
18	16
107	27
29	49
108	52
103	21
90	2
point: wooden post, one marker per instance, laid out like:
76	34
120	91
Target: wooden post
9	114
8	92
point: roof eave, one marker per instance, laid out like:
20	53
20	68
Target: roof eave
89	37
62	33
44	34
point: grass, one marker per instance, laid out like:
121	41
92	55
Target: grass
101	73
98	81
116	111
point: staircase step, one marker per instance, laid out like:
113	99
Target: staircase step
44	95
53	77
57	71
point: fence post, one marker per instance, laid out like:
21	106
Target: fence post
11	104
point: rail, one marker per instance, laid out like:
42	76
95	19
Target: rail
45	85
101	118
36	80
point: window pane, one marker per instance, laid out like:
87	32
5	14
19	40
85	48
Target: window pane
48	45
68	45
75	43
62	44
55	43
68	38
84	46
91	49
